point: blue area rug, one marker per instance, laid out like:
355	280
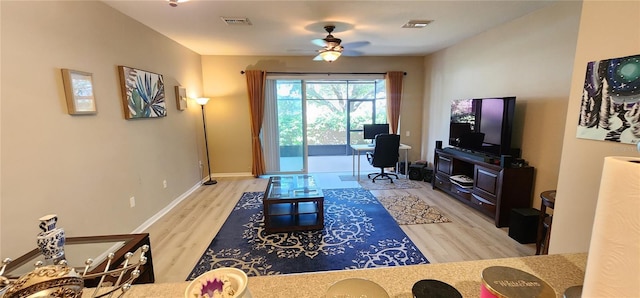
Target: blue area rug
358	233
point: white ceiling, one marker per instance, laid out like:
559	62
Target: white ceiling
286	28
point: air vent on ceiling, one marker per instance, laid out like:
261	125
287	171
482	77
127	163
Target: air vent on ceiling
417	24
236	21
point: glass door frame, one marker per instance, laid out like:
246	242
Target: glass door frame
275	131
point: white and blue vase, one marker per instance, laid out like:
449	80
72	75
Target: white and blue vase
51	240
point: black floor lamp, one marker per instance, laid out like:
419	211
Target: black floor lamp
203	101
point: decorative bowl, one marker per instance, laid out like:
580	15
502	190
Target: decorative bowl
221	282
356	287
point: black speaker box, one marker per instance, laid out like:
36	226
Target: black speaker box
427	174
415	172
505	161
438	144
523	225
401	167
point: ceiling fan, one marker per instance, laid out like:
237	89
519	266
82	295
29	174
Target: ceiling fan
331	48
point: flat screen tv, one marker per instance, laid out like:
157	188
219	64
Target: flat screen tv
482	125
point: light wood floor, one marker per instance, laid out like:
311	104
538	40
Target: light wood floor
181	236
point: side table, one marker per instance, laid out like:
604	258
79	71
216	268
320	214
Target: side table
544	223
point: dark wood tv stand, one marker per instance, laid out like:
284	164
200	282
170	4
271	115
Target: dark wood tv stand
495	191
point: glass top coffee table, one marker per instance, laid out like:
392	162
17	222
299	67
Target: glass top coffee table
293	203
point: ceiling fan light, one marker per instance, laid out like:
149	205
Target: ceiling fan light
330	55
174	3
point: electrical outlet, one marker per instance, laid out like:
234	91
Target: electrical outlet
200	161
132	202
164	183
408	133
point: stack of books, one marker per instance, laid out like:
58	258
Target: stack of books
462	181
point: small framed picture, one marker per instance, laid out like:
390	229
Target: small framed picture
78	89
181	98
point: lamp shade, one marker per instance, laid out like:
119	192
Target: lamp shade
330	55
202	100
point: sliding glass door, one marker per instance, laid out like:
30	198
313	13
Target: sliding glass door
326	117
307	118
284	135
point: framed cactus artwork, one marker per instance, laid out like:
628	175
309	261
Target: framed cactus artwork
142	93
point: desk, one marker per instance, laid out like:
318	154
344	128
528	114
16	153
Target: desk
356	149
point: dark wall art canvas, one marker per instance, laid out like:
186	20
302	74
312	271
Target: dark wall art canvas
142	93
610	107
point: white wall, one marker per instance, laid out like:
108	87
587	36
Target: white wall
85	168
530	58
608	29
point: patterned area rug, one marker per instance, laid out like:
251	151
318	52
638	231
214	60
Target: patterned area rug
411	210
358	233
385	184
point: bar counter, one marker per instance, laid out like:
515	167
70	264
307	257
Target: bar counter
560	271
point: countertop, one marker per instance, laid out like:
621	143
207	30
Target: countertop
560	271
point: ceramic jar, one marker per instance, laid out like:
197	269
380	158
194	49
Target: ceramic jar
51	240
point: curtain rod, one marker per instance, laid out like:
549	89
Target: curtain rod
327	73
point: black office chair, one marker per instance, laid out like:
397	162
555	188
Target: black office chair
385	154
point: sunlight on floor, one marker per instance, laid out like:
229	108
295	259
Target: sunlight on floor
328	170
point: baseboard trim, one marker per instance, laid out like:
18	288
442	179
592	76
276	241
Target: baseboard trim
145	225
241	174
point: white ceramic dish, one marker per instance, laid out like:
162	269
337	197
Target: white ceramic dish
236	278
356	288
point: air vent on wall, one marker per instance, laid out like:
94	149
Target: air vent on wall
236	21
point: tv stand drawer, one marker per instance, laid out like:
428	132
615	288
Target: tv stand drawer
486	181
461	192
444	165
485	205
442	182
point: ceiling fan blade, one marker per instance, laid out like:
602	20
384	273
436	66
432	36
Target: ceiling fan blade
319	42
356	44
351	53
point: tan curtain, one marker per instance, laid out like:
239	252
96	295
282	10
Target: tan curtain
256	80
394	97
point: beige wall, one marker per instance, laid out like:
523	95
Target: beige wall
608	29
530	58
85	168
228	111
